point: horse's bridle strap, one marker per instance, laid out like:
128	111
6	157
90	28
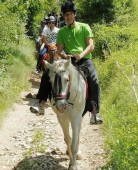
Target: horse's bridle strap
60	97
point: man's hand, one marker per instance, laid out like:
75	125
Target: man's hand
69	56
77	56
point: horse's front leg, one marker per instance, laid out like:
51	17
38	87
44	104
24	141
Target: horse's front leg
76	126
64	123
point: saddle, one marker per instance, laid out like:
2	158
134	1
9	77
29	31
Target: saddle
89	105
84	71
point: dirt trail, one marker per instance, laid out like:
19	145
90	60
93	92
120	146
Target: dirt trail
19	127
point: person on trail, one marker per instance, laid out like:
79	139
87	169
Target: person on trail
38	39
42	46
76	40
56	17
50	36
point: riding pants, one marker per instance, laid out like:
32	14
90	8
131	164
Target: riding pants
45	87
39	65
93	82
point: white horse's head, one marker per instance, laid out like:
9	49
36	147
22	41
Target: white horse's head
60	80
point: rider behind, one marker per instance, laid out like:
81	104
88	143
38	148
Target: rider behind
38	40
50	36
76	40
43	47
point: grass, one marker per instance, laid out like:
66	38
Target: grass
37	144
119	108
17	66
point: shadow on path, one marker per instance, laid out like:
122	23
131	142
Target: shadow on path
43	162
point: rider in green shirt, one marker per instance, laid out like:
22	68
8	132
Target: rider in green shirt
75	40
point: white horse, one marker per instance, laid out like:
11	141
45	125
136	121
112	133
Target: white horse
68	102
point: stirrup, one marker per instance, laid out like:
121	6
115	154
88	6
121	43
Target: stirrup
95	117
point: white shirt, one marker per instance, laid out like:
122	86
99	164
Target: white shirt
45	28
43	44
51	35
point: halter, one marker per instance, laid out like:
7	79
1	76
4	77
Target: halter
60	96
57	93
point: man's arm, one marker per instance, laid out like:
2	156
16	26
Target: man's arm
61	52
89	49
45	41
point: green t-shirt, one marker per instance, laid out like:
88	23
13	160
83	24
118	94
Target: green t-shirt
74	39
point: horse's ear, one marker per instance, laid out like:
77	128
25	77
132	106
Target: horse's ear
67	63
47	65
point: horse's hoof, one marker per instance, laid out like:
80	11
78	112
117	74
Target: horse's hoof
79	157
71	167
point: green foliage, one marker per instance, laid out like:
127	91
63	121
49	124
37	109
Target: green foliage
31	12
119	107
10	28
16	68
120	116
16	57
95	10
117	38
37	144
119	86
124	10
99	11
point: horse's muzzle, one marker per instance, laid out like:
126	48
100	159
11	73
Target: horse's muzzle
61	105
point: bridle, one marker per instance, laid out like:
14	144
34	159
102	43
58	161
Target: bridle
57	95
51	54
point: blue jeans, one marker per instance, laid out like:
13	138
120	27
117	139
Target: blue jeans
40	57
44	91
93	84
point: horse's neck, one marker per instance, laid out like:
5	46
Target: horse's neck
77	86
76	77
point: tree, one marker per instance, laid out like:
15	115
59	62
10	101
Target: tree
31	12
98	11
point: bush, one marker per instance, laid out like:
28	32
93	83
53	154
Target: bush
95	11
117	38
119	107
31	13
16	57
